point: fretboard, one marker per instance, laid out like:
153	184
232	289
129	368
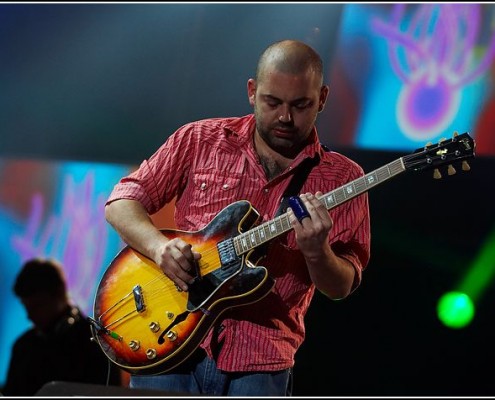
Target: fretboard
267	231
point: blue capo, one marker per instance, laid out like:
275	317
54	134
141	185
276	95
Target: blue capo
300	211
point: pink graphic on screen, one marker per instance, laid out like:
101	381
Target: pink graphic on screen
435	57
75	234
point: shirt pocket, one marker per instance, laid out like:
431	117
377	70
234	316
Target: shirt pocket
215	190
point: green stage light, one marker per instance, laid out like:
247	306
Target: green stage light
455	309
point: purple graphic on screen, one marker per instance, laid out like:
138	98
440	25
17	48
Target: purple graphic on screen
75	235
435	57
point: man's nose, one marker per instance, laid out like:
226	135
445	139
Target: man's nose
285	115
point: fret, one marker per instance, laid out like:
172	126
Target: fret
238	250
246	239
244	242
273	228
252	238
339	195
329	200
396	166
266	230
371	179
261	232
285	222
360	185
383	173
349	190
278	224
264	233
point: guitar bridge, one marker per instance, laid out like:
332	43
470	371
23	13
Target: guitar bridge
137	291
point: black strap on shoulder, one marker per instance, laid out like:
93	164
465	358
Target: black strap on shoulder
297	182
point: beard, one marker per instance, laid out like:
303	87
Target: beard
288	147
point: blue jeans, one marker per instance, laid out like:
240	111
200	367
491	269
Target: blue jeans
204	378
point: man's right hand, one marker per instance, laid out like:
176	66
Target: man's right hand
178	262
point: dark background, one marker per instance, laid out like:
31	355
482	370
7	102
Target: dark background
386	339
109	83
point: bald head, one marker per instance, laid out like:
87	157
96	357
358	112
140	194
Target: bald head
290	57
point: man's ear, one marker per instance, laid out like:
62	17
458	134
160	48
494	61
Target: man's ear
251	90
323	97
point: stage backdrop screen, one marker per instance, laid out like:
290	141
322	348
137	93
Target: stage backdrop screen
407	74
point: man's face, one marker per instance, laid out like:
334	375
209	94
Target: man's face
42	308
285	107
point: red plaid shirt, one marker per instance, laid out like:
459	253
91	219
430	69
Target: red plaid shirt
209	164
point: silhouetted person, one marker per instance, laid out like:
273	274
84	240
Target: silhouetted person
57	347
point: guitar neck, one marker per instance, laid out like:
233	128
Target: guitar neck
267	231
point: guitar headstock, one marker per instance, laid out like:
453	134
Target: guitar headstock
445	152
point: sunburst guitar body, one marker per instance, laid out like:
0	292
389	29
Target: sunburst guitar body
147	325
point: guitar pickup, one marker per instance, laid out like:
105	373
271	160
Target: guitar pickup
227	253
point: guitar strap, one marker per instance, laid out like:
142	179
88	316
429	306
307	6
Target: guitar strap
297	182
295	185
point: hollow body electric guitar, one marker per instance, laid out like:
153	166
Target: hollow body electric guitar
146	325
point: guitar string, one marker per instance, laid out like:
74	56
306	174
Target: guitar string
260	230
164	289
263	230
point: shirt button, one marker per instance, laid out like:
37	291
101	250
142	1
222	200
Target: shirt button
203	186
266	190
225	186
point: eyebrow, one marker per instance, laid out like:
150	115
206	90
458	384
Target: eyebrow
298	100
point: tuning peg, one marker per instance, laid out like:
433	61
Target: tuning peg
428	145
465	166
436	173
451	170
442	140
456	133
